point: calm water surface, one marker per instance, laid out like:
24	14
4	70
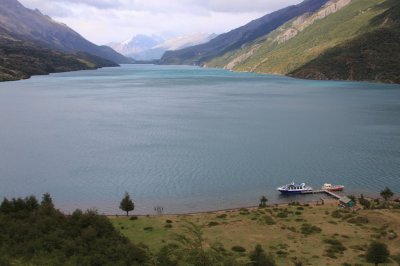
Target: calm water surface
192	139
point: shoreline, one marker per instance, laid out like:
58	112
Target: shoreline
276	205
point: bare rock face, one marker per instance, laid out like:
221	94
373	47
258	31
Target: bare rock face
302	22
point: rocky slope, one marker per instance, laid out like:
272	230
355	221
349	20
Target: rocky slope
314	41
374	56
31	25
21	59
234	39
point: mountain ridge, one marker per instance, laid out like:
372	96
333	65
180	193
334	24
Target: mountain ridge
234	39
32	25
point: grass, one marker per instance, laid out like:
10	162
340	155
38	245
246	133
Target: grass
270	57
326	243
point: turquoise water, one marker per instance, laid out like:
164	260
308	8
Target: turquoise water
192	139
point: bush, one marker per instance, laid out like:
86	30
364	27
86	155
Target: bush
282	214
222	216
308	229
48	237
149	228
133	218
335	246
336	214
168	226
359	220
168	221
210	224
268	220
238	249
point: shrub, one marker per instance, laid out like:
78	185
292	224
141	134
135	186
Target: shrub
308	229
213	223
168	221
133	218
268	220
222	216
168	226
238	249
282	214
359	220
336	214
149	228
48	237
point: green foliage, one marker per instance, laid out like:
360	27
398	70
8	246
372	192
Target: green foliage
239	249
358	42
192	250
364	202
268	220
258	257
308	229
358	220
213	223
38	234
377	253
387	194
20	59
335	247
127	204
263	202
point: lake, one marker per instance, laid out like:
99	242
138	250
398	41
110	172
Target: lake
192	139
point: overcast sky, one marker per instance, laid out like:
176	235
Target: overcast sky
104	21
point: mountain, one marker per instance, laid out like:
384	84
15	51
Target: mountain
344	39
31	25
236	38
373	56
21	59
136	45
182	42
142	47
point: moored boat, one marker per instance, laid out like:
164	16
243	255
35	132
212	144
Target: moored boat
293	188
331	187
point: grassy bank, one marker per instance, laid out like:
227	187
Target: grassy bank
314	235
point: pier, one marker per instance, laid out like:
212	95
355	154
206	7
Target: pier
322	191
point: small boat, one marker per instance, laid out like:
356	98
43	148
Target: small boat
293	188
331	187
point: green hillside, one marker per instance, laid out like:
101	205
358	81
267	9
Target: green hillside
21	59
267	55
373	56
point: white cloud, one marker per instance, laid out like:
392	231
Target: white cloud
103	21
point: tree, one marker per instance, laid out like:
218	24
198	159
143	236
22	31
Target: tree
377	253
263	201
386	194
259	258
127	204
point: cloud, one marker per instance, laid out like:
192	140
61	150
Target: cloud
104	21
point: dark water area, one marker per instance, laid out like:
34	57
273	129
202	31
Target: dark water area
191	139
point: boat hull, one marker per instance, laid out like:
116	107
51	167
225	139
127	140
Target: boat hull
291	192
336	189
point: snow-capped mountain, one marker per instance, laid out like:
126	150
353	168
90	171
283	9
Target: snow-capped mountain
143	47
136	44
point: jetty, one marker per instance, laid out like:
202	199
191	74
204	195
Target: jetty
323	191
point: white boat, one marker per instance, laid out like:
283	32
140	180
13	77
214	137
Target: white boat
293	188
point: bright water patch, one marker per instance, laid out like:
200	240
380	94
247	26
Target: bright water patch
192	139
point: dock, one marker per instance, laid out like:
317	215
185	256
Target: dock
322	191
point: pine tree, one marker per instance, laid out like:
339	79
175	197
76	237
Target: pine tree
377	253
387	193
127	204
259	258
